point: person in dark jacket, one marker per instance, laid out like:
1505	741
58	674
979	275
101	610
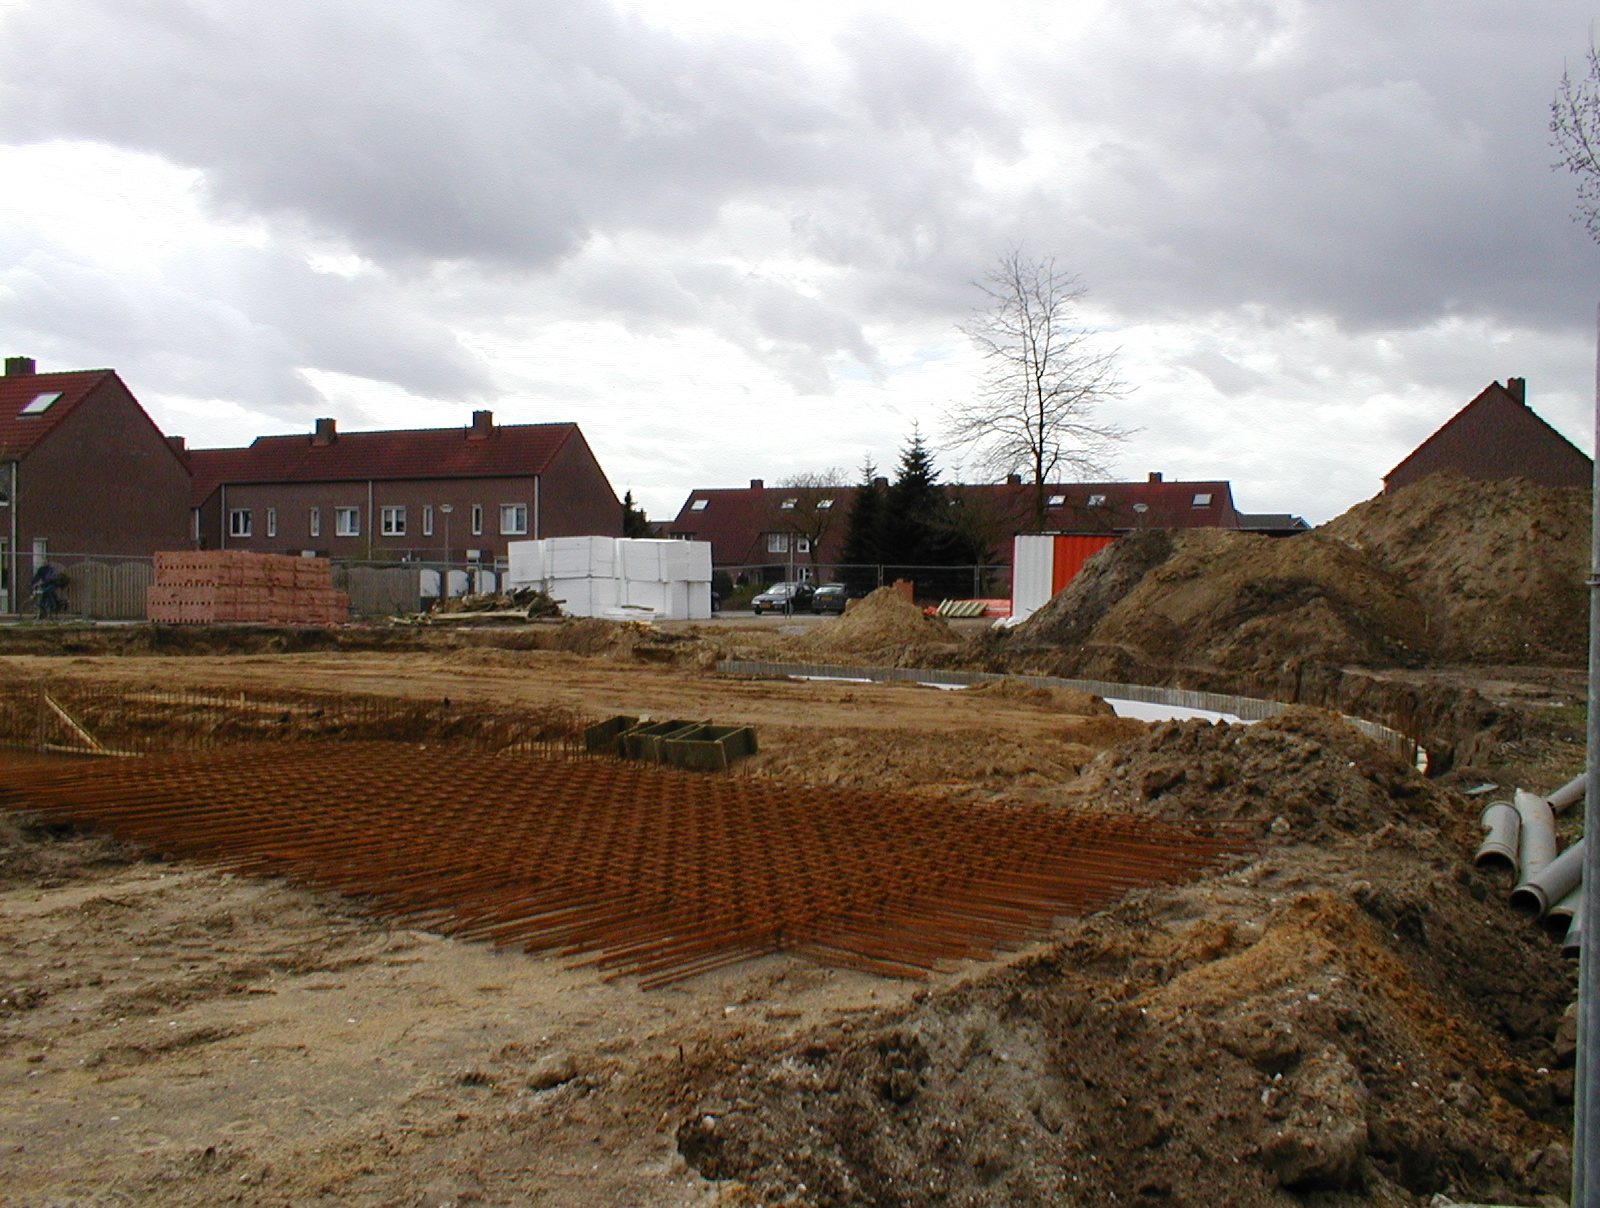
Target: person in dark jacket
47	583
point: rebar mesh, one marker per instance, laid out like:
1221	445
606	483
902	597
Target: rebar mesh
638	868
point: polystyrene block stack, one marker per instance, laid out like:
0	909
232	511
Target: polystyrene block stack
525	563
584	597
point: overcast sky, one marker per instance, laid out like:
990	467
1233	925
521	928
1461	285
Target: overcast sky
733	240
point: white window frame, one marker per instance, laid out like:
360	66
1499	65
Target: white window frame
393	520
427	520
347	522
777	543
316	522
240	522
513	519
477	520
272	522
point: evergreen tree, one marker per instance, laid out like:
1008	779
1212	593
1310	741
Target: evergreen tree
916	529
863	539
634	522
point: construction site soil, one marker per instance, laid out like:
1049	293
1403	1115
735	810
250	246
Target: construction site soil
1347	1014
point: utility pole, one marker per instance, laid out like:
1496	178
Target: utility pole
1586	1109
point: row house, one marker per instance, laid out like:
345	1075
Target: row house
427	494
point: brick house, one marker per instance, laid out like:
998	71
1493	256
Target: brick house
1497	435
771	529
424	494
83	470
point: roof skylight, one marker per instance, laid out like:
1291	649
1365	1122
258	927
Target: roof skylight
699	505
1097	501
1202	500
1056	501
824	504
41	403
788	504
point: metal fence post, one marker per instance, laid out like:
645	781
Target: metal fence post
1585	1127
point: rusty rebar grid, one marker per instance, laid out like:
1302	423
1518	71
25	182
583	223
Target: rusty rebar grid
640	869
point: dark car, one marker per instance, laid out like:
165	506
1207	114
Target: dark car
783	597
830	597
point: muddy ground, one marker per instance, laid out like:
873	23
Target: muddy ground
1350	1015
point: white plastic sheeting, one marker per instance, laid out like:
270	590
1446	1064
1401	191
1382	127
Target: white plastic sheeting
1032	570
619	577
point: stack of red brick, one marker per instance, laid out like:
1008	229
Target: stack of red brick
204	587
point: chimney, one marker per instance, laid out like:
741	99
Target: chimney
1155	475
1013	480
325	434
179	445
482	425
758	484
19	366
880	482
1517	388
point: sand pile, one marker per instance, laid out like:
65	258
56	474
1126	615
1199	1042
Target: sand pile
1447	570
884	621
1498	567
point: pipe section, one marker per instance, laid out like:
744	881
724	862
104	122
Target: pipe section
1536	841
1550	884
1502	826
1559	918
1572	944
1570	793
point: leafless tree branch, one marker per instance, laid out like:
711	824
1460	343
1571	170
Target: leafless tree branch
1575	129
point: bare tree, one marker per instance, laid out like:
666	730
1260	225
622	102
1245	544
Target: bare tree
810	506
1575	126
1045	379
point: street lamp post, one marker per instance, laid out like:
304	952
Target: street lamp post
444	510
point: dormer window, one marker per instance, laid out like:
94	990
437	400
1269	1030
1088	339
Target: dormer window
1202	500
1097	501
40	404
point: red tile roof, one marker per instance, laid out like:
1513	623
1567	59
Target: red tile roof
511	451
20	433
1497	435
734	519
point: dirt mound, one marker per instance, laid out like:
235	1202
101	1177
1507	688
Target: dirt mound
1498	567
1305	772
1071	615
1256	604
885	620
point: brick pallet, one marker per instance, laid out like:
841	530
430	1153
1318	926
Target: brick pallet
206	587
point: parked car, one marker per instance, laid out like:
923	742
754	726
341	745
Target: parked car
783	597
830	597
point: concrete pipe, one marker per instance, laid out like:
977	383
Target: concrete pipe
1570	793
1501	825
1572	942
1547	886
1536	839
1559	920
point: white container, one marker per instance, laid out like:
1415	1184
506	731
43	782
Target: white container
525	563
1032	571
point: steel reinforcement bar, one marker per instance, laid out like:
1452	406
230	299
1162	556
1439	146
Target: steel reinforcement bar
638	868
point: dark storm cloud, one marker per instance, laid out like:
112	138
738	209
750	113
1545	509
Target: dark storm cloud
1380	163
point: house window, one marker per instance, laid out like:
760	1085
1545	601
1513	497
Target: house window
239	522
699	505
513	518
427	520
824	504
316	522
40	404
1055	501
347	522
1097	501
272	522
803	545
394	522
777	543
477	520
1203	500
788	504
